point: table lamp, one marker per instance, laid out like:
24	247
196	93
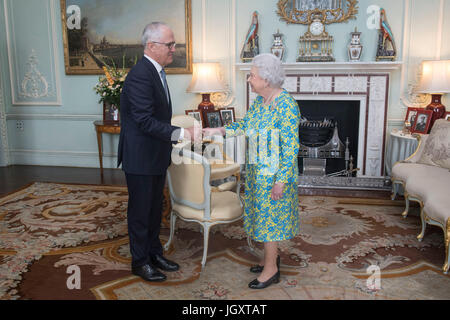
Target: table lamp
206	80
435	81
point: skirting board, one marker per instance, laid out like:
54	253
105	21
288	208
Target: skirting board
62	159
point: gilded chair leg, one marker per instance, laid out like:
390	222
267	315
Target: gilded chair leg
424	224
405	213
447	243
205	243
173	218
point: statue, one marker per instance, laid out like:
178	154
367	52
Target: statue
386	49
251	43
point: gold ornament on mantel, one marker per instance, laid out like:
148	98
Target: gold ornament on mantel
316	45
303	11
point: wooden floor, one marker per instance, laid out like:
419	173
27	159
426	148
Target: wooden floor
15	177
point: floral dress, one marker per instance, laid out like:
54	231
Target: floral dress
273	144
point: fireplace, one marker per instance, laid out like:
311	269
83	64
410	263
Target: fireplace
329	131
363	87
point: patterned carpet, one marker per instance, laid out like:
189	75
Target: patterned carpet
46	228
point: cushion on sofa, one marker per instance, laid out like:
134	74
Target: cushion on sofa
437	206
437	149
402	170
423	181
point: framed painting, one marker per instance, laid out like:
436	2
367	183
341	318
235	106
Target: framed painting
422	123
98	32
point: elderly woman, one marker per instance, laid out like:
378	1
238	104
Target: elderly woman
271	195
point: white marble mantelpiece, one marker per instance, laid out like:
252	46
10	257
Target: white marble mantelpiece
367	82
347	67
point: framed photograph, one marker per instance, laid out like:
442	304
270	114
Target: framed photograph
213	119
98	32
447	116
227	115
411	115
197	114
111	114
422	123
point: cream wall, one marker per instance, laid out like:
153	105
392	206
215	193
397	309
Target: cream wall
59	130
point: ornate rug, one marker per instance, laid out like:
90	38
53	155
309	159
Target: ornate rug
60	241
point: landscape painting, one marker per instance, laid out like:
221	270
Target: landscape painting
98	32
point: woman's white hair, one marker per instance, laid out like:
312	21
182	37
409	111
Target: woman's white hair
270	69
152	32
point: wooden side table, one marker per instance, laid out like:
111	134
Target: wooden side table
101	127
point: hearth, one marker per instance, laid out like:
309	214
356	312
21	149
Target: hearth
322	132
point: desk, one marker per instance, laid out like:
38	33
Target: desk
400	147
101	127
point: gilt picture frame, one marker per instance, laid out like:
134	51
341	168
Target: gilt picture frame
98	32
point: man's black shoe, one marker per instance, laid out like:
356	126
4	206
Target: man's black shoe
149	273
164	264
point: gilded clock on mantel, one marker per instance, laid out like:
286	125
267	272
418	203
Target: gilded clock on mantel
316	45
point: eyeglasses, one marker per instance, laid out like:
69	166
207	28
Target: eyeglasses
169	45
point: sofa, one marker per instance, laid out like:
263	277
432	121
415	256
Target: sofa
425	177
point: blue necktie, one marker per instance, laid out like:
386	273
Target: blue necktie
163	76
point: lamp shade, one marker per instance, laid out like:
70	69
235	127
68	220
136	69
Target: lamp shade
205	78
435	76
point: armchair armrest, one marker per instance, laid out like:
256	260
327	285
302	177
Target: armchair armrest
418	153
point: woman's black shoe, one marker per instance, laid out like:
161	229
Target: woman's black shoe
259	269
255	284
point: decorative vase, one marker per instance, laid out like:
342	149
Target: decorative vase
355	47
277	48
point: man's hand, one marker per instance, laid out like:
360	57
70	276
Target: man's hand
194	133
277	191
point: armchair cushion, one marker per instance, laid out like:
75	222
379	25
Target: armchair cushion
426	181
224	206
437	148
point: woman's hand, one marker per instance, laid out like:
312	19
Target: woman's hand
277	191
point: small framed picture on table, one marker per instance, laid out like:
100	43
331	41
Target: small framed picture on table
411	116
197	114
227	115
213	119
422	122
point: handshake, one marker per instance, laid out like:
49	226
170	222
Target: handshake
197	134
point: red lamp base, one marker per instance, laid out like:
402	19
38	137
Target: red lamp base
437	107
204	106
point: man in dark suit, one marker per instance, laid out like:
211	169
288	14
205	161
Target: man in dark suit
145	147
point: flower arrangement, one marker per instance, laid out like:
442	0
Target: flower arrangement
110	85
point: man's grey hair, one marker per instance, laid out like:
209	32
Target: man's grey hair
270	69
152	32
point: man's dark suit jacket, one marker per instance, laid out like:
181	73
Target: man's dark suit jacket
145	135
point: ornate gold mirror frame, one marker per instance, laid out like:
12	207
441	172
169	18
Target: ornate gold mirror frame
303	11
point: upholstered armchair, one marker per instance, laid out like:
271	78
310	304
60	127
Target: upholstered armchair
222	166
189	179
